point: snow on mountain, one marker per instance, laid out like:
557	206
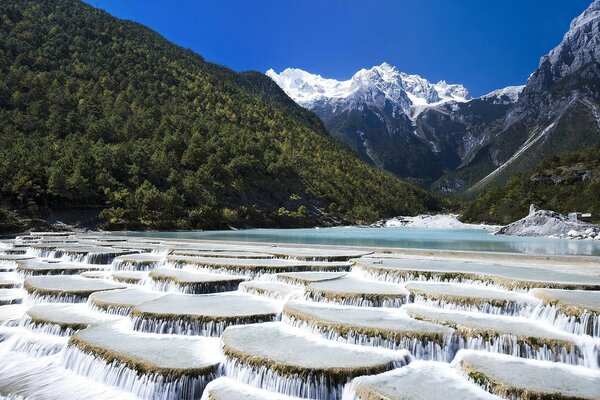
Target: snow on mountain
375	86
507	95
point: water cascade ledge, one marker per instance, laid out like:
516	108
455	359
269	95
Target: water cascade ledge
11	296
25	377
508	277
280	358
129	277
306	278
513	377
357	292
137	262
206	315
63	319
228	389
419	380
575	311
273	290
120	301
148	365
65	288
8	262
381	327
179	280
82	254
220	254
253	268
516	336
36	268
469	297
11	314
34	344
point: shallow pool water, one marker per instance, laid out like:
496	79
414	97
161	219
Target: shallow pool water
420	238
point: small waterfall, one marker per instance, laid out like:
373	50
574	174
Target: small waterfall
194	327
509	308
109	309
309	386
425	276
511	345
165	285
144	385
41	297
247	273
420	348
47	328
587	323
35	346
134	265
44	378
376	301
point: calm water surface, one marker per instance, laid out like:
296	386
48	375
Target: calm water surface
420	238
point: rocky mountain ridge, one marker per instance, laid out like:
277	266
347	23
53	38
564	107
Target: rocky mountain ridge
452	143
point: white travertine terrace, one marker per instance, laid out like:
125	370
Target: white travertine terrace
67	285
464	293
132	277
208	307
67	315
191	281
150	352
122	298
515	377
311	366
275	290
305	278
572	302
419	380
229	389
354	291
517	276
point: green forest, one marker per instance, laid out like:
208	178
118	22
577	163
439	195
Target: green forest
103	114
566	183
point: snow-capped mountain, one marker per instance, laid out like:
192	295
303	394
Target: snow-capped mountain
507	95
374	113
436	135
374	86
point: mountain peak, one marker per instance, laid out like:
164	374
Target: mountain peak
373	86
580	46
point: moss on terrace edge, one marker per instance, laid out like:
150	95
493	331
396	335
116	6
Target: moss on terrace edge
511	283
509	391
345	329
140	366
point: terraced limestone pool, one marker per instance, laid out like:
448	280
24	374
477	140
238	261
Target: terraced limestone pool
105	316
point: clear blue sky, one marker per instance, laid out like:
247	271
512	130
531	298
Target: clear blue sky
483	44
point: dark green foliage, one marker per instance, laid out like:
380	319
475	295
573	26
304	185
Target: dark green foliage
566	183
99	112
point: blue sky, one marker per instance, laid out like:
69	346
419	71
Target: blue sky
483	44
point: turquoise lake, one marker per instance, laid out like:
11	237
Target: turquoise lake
419	238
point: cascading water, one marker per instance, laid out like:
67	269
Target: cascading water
180	326
357	301
509	308
587	323
420	348
311	386
144	385
69	371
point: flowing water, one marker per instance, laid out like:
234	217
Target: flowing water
142	347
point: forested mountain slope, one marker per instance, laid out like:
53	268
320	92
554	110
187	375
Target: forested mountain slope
566	183
103	113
